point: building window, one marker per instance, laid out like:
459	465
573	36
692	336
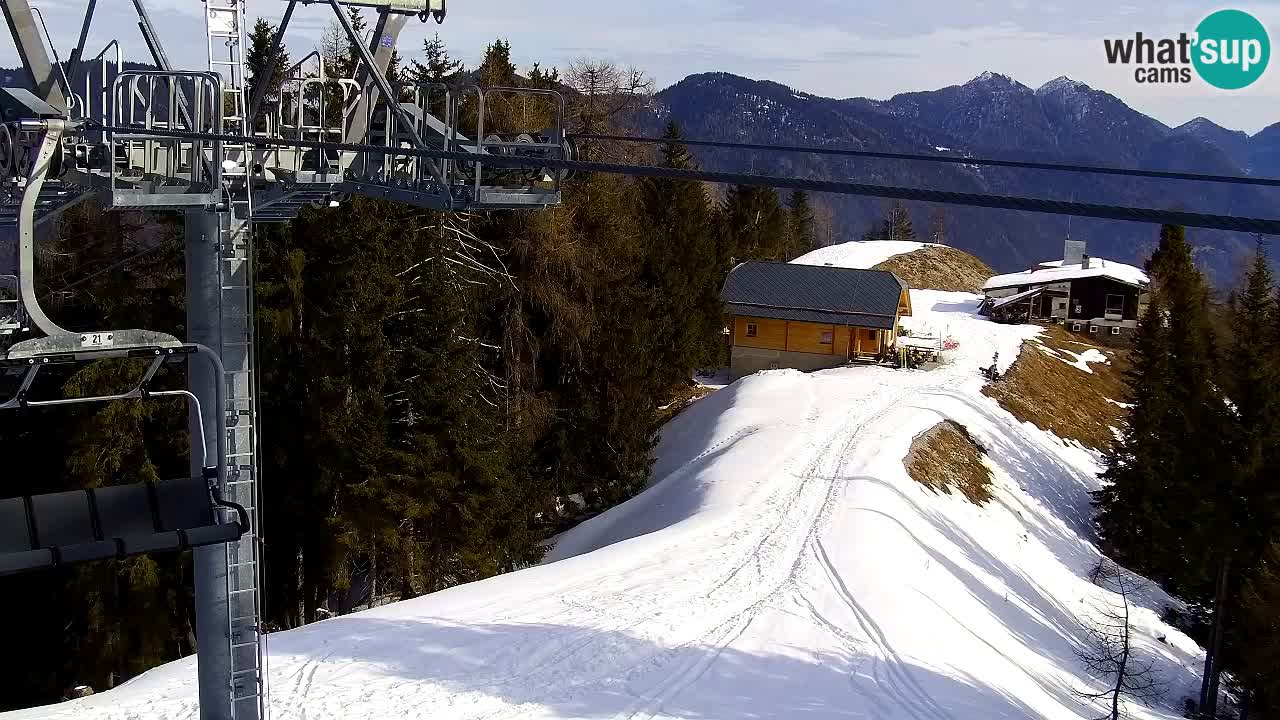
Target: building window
827	338
751	330
1075	327
1093	329
1115	330
1115	304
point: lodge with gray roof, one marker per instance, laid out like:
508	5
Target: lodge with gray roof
809	317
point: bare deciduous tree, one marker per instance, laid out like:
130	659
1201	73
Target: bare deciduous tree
603	92
1108	652
938	226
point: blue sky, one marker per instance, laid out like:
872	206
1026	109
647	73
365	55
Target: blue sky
838	48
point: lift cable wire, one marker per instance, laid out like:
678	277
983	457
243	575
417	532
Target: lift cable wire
954	159
141	253
1265	226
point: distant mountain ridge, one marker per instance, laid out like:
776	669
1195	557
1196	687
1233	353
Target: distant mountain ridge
992	115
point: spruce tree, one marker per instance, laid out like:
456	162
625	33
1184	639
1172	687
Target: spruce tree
436	66
895	226
898	224
753	224
800	237
680	266
1252	374
1165	508
1258	640
257	63
496	69
1134	505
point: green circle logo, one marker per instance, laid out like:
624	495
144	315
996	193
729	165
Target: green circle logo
1232	49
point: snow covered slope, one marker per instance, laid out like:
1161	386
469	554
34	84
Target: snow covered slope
783	565
859	253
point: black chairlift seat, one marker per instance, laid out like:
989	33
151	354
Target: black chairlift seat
43	531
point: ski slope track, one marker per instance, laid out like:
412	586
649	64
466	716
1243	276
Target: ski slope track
781	565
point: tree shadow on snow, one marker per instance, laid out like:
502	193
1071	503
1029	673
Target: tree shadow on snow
1030	612
430	668
1055	484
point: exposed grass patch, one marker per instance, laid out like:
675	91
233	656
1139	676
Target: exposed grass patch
946	457
939	268
680	398
1044	388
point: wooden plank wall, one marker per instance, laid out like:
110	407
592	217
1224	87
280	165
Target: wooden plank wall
796	336
770	334
807	337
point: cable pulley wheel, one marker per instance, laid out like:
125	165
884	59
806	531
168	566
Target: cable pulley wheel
569	151
7	161
528	175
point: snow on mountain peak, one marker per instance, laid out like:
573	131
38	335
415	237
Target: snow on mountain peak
1199	122
1063	84
996	79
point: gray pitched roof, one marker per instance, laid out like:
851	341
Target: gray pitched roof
813	293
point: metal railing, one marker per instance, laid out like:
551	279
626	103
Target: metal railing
160	100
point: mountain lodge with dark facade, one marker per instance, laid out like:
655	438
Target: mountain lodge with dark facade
809	317
1088	295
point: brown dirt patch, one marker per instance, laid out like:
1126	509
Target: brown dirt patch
946	457
1043	389
681	398
939	268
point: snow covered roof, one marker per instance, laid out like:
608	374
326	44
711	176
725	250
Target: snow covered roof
1057	272
1025	294
813	293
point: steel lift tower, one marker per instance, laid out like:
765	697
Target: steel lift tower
153	139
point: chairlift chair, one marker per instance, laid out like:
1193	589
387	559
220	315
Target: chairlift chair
54	529
43	531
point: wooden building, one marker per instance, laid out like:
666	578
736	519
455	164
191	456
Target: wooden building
809	317
1087	295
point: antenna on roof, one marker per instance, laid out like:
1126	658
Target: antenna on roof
1073	199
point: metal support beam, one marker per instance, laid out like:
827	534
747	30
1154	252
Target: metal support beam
149	36
210	563
75	62
31	50
383	48
49	144
380	79
260	87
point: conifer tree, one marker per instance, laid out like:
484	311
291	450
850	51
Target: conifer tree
1258	641
1164	510
898	224
1134	505
681	265
257	63
800	237
497	69
437	66
895	226
753	225
1252	374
